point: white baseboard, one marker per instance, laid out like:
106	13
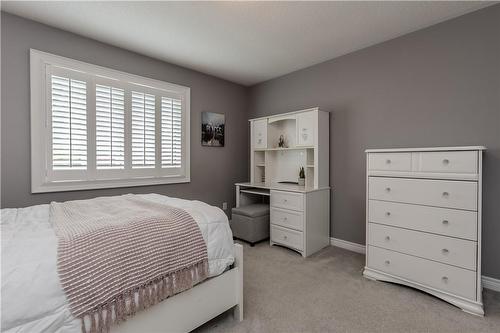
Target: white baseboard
488	282
355	247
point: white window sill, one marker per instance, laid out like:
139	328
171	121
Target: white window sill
62	186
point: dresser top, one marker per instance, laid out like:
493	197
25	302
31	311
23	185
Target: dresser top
425	149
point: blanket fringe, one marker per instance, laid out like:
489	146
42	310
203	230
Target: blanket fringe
127	304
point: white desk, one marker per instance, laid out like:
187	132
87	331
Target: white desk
280	146
299	216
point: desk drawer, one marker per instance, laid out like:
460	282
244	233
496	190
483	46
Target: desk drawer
457	281
443	221
389	161
287	237
440	193
287	218
448	250
287	200
449	161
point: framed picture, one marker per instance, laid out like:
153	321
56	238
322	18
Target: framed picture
212	129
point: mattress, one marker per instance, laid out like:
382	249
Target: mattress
32	297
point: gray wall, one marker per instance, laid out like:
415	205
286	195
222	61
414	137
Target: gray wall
213	170
436	87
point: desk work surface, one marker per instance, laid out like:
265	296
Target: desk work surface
281	187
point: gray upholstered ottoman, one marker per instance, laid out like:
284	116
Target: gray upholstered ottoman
251	223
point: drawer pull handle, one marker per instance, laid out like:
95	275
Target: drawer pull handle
446	161
446	194
387	262
387	161
285	200
285	237
388	189
260	140
445	251
444	279
304	129
285	218
446	222
387	213
387	238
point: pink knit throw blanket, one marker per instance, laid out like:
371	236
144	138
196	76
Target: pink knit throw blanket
119	255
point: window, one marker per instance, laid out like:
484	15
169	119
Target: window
93	127
143	130
110	127
69	123
171	132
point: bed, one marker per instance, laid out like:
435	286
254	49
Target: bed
33	299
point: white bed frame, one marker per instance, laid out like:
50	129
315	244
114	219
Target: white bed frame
186	311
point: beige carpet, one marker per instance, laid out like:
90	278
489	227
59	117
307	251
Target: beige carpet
327	293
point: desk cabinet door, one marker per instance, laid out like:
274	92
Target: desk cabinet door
259	134
306	127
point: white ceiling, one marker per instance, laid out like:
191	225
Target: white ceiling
244	42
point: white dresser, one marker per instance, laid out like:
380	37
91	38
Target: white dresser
424	221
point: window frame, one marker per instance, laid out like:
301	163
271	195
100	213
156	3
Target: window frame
42	179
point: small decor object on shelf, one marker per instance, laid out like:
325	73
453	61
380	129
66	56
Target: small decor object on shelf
212	129
302	177
281	141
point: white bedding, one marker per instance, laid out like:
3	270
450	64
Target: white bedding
32	298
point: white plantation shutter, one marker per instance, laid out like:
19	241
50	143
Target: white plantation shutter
143	130
110	127
171	132
69	123
93	127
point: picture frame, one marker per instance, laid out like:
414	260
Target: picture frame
213	128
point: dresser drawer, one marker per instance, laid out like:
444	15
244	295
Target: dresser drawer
287	237
287	218
457	281
287	200
440	193
389	161
443	221
448	250
452	161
